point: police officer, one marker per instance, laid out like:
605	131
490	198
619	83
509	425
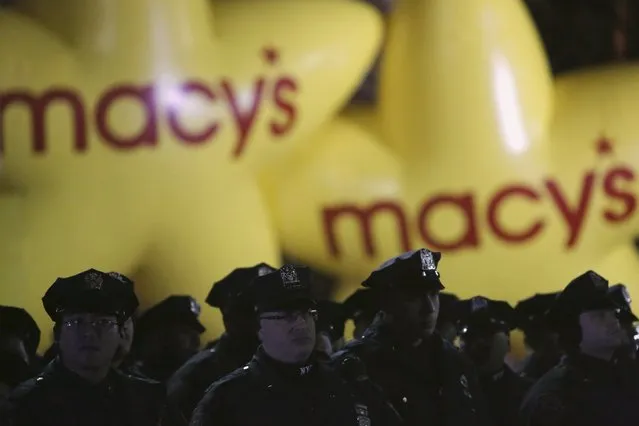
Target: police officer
80	387
235	347
539	338
485	326
330	325
425	378
361	307
594	384
19	340
168	335
284	384
446	323
127	332
620	295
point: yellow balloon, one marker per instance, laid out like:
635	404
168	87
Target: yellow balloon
521	181
132	133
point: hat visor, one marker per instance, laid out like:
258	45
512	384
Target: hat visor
627	316
93	305
294	303
603	303
195	324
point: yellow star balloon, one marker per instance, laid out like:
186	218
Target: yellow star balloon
131	132
524	182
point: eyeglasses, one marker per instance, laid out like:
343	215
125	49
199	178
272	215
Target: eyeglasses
292	316
98	325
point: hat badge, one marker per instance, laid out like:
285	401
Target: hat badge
195	307
263	270
290	277
117	276
94	281
428	261
478	303
597	280
626	294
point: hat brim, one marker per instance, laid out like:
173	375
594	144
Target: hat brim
287	304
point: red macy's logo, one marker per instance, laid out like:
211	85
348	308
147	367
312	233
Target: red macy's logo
279	91
573	215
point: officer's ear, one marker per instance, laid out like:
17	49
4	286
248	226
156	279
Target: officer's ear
260	330
56	332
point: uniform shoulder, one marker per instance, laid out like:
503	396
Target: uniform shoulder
203	360
141	384
545	402
30	388
231	381
359	348
27	397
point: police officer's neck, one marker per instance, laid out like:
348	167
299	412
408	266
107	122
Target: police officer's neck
404	335
602	353
91	374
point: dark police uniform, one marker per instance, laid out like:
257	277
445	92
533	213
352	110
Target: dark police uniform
583	390
331	319
232	296
530	317
174	310
446	319
270	393
503	389
621	296
58	397
16	323
432	383
361	307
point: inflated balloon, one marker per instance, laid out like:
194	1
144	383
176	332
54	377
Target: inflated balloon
131	131
523	182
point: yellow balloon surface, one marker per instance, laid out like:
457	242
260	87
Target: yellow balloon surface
524	182
132	133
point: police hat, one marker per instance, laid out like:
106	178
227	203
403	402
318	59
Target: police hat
234	289
91	291
286	288
363	302
172	310
447	305
331	319
621	296
482	315
530	313
415	269
587	292
18	323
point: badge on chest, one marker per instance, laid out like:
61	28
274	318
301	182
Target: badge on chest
361	411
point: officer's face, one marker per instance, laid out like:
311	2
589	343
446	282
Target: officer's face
600	329
419	311
487	350
170	345
89	340
240	322
447	330
361	324
127	336
288	336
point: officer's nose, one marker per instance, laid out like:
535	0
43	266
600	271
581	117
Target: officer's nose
429	303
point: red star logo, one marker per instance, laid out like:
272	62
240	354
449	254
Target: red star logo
271	55
604	146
